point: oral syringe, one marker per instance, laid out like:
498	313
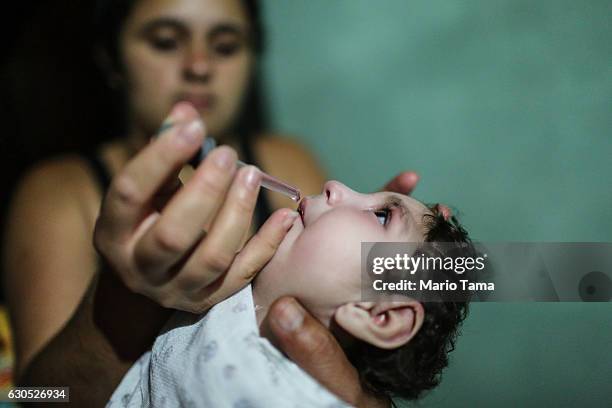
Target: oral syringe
267	181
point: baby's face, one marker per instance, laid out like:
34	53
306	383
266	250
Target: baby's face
319	260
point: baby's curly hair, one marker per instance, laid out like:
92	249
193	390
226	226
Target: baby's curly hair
410	370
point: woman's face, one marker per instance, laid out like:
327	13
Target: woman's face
186	50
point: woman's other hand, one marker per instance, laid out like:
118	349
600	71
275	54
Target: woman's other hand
311	346
165	253
403	183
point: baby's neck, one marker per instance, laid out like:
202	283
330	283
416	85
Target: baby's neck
261	301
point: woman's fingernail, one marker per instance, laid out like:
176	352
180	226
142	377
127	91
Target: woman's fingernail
252	178
291	316
289	219
192	132
178	112
168	123
175	115
224	159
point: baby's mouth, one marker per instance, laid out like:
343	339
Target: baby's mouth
302	209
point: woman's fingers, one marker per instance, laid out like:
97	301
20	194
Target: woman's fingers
252	258
262	246
403	183
131	191
216	253
443	209
167	255
186	215
307	342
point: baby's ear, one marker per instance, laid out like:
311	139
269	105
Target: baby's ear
386	325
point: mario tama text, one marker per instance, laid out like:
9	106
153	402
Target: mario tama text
423	271
405	285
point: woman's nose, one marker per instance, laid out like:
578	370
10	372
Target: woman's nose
198	65
335	192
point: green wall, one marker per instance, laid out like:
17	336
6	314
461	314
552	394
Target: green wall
505	109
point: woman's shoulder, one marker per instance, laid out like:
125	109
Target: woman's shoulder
68	165
279	140
285	149
59	182
67	172
286	157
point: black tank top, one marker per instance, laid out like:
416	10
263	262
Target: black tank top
262	208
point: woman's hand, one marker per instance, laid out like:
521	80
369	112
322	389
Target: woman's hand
165	254
403	183
311	346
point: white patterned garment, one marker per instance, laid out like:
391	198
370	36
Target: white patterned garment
218	360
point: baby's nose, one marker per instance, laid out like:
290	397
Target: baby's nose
334	192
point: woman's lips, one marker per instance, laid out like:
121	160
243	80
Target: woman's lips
199	101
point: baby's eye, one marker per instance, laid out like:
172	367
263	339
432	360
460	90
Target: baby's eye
383	215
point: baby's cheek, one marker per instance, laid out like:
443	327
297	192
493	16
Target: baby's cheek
326	271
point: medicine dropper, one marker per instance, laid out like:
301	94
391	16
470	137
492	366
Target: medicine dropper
267	181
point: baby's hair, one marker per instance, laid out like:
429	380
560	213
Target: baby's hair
410	370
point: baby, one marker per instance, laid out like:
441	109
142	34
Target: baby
399	347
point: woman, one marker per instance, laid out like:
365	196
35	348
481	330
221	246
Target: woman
75	321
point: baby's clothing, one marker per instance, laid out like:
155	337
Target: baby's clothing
219	360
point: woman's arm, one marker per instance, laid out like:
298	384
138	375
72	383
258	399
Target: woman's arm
48	258
49	263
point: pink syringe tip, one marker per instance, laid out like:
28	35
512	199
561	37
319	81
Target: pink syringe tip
274	184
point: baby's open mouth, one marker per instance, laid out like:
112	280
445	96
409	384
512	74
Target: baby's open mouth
302	209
